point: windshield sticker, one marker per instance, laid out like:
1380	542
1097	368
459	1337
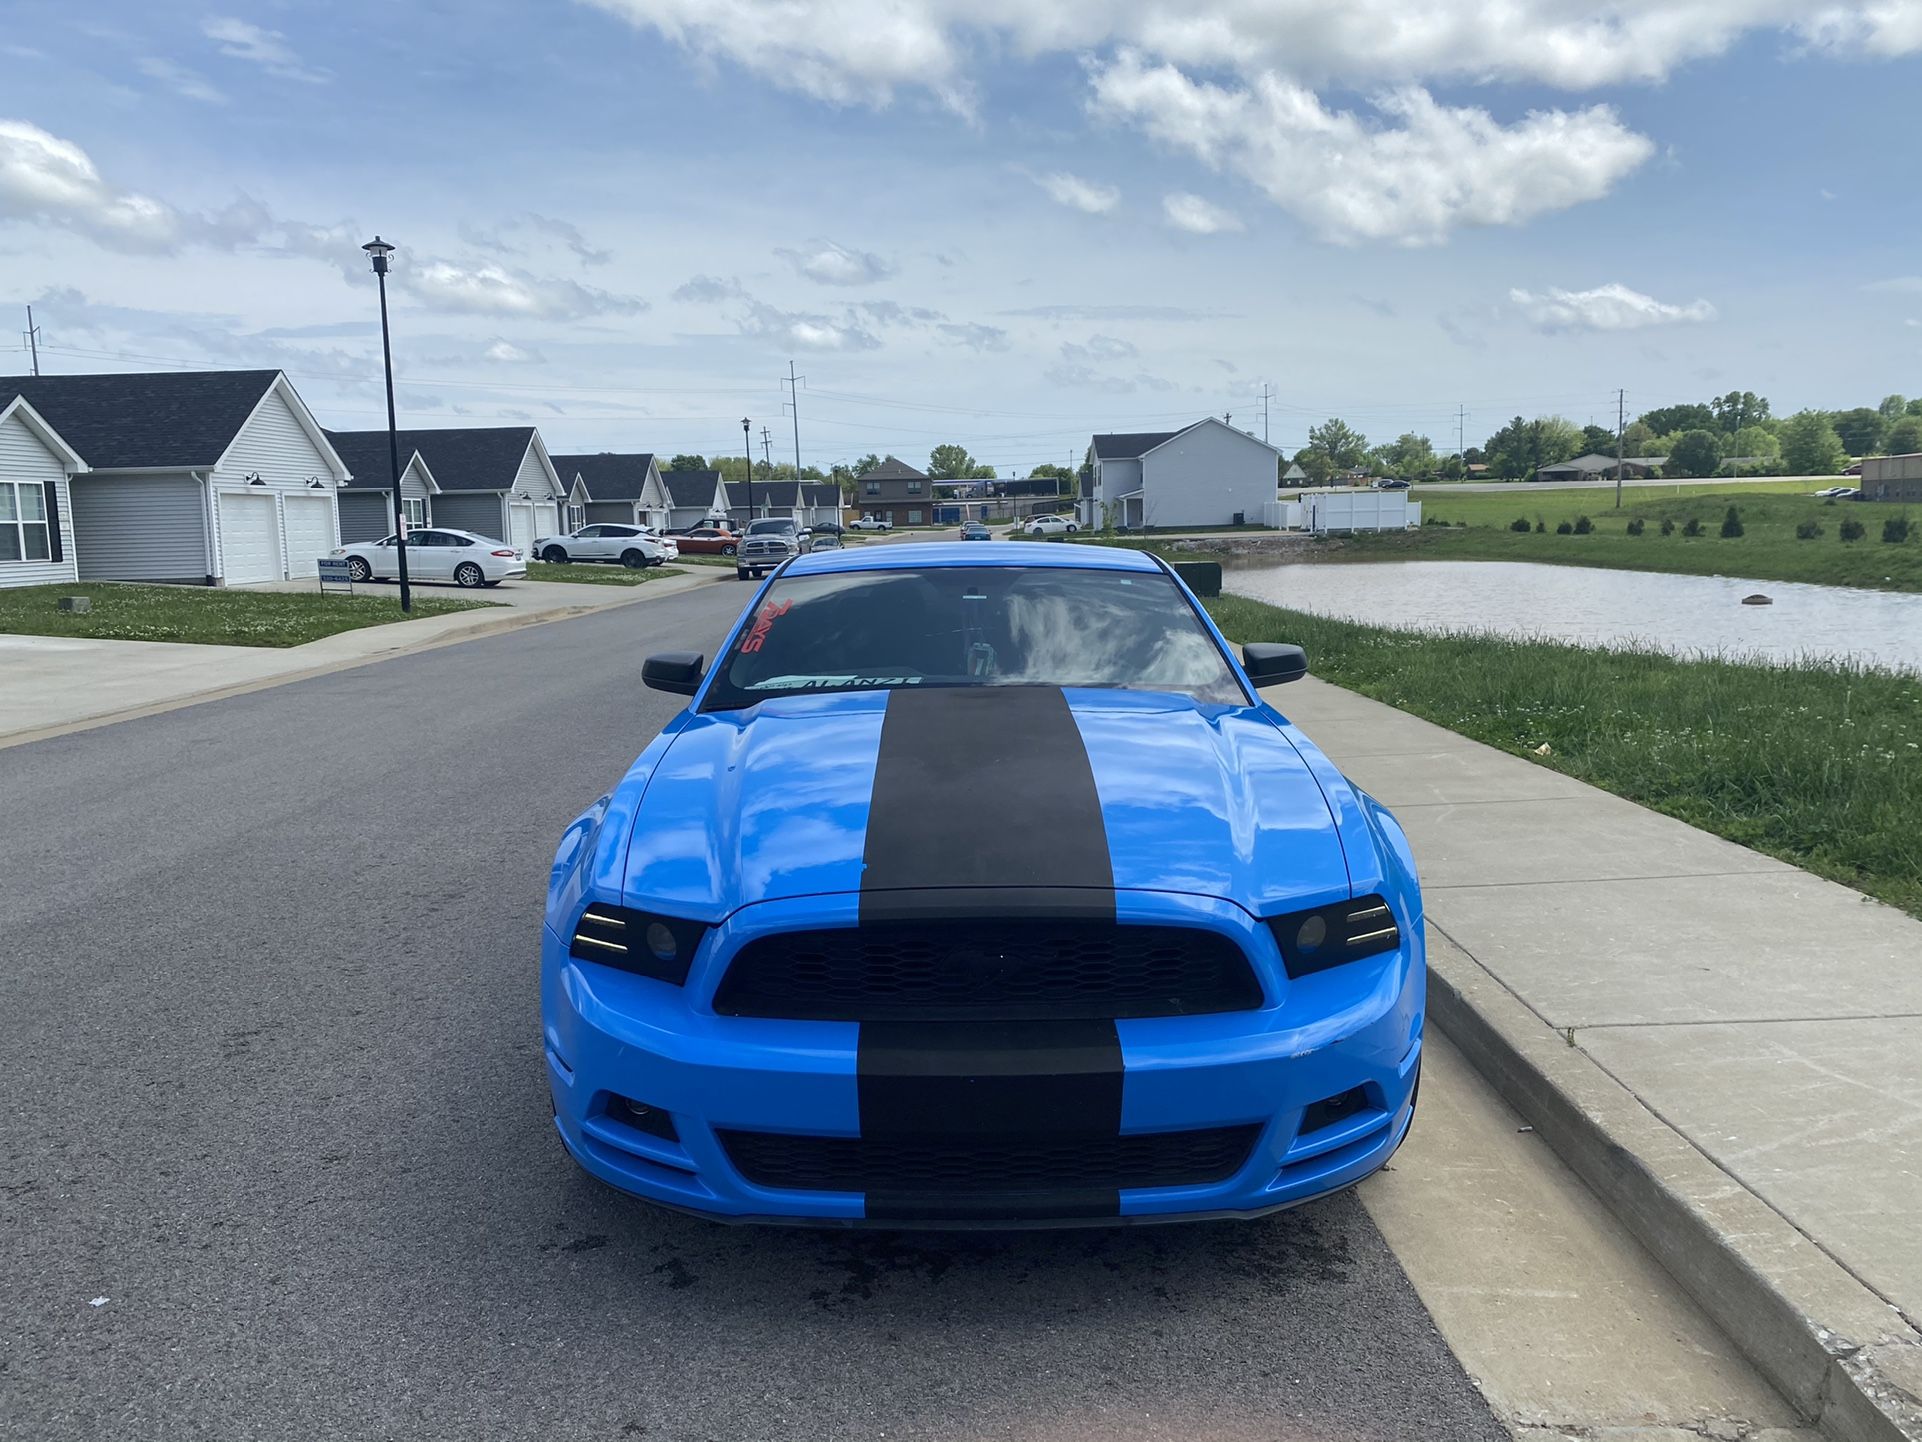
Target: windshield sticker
763	623
827	683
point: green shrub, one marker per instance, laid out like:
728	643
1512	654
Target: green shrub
1853	530
1668	527
1808	530
1540	527
1583	525
1564	528
1635	527
1520	523
1895	530
1731	524
1693	528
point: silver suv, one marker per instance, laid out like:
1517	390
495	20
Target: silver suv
766	544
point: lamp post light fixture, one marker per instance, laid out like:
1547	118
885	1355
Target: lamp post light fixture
747	449
378	250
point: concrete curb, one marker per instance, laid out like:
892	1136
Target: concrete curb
1843	1357
489	626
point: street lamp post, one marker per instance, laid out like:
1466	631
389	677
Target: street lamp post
747	449
378	250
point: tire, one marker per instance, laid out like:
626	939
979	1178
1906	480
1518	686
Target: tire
358	569
469	573
634	560
741	575
554	556
727	550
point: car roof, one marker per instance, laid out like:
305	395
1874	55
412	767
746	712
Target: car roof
1031	555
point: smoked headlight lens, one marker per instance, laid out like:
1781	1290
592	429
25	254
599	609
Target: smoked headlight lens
638	941
1312	941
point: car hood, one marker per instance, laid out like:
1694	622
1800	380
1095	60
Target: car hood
1136	790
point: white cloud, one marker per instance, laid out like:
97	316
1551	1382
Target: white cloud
862	51
1084	195
1197	216
187	84
45	178
505	352
830	264
241	40
1439	168
1607	307
973	335
528	231
1098	348
489	288
707	290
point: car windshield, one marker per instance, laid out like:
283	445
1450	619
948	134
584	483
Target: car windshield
973	626
759	528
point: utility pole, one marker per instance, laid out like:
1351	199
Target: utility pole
767	453
1461	438
1264	412
33	340
794	405
1621	414
747	450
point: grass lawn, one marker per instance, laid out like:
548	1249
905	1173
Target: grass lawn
204	614
1768	549
1818	764
600	575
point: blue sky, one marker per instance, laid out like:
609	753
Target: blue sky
1001	223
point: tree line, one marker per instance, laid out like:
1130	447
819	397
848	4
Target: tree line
947	462
1735	432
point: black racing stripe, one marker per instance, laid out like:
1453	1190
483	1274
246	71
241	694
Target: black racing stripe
968	1083
984	804
981	786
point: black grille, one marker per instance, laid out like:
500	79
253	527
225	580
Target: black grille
949	1166
981	971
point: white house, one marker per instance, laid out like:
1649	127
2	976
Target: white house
496	481
1205	474
36	529
214	477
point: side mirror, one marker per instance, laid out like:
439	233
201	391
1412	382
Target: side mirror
675	671
1269	664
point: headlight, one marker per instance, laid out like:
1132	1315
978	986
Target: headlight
638	941
1328	936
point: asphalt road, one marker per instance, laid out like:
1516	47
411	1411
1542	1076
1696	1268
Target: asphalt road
274	1101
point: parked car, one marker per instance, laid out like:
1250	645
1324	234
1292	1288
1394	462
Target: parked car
828	528
1390	483
984	942
1835	492
825	541
766	544
975	531
708	541
1049	526
1854	470
630	546
436	553
871	523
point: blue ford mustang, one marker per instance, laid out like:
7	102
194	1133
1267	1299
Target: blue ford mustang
976	886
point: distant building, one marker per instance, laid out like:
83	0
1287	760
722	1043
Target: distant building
897	492
1892	478
1595	466
1294	475
1205	474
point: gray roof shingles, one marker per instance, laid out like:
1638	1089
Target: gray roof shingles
461	458
161	420
1127	445
690	488
609	476
365	454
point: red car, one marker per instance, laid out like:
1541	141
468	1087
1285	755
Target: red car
708	541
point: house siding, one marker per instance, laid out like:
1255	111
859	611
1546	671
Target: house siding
620	512
139	528
364	516
476	511
1204	476
24	457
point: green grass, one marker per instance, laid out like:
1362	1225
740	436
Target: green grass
601	575
1768	550
1819	764
205	615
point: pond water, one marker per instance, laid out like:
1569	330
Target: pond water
1684	615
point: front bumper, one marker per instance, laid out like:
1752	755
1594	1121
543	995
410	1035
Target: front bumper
612	1035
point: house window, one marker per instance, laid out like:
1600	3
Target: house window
870	488
576	518
914	518
23	522
914	488
415	509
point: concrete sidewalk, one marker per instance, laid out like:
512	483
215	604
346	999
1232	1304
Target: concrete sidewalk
1727	1048
53	683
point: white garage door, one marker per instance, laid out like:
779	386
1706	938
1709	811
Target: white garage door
310	532
522	519
247	548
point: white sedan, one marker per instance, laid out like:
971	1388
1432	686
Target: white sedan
436	554
630	546
1050	526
